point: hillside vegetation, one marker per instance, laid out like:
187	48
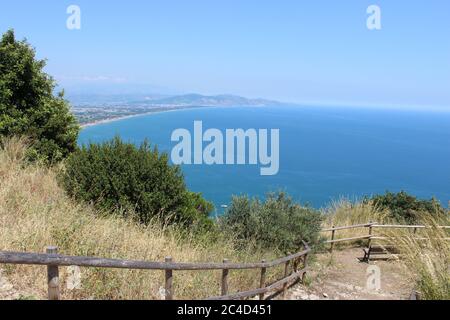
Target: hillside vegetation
35	212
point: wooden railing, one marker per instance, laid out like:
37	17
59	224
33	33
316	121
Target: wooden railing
53	261
371	226
291	263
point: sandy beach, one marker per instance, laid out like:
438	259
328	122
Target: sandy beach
109	120
95	123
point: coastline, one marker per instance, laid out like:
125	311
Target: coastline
109	120
159	110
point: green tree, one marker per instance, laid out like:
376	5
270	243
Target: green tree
277	223
117	175
28	105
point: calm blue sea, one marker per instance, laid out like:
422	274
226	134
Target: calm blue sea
325	153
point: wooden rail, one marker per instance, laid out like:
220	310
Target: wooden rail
347	227
53	261
393	226
252	293
370	236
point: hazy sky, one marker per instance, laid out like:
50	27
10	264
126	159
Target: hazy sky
299	51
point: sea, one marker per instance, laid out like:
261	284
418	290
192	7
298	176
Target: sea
326	153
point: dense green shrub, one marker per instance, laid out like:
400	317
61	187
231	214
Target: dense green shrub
118	175
406	208
278	223
28	106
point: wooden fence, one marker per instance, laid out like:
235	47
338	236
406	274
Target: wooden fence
371	226
53	261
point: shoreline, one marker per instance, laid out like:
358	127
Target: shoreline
109	120
174	109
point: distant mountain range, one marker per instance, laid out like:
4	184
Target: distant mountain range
213	101
186	100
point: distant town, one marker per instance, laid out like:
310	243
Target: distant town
91	110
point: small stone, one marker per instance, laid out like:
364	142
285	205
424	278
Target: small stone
325	295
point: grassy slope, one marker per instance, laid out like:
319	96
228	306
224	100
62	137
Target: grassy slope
425	255
35	212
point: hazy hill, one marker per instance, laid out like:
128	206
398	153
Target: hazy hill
150	100
218	100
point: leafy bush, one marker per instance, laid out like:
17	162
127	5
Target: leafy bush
28	106
278	223
118	175
406	208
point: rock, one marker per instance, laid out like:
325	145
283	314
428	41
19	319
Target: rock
325	295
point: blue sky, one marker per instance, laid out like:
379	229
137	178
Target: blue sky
300	51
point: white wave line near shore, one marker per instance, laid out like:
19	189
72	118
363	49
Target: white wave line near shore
119	118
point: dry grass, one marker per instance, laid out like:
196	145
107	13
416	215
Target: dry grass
35	212
345	213
426	257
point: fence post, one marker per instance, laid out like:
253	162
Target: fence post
295	265
333	233
169	280
53	277
225	279
262	282
286	274
418	295
305	265
369	242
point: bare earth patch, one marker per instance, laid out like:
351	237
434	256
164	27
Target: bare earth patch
7	289
344	277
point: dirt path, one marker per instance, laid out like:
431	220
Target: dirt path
345	278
